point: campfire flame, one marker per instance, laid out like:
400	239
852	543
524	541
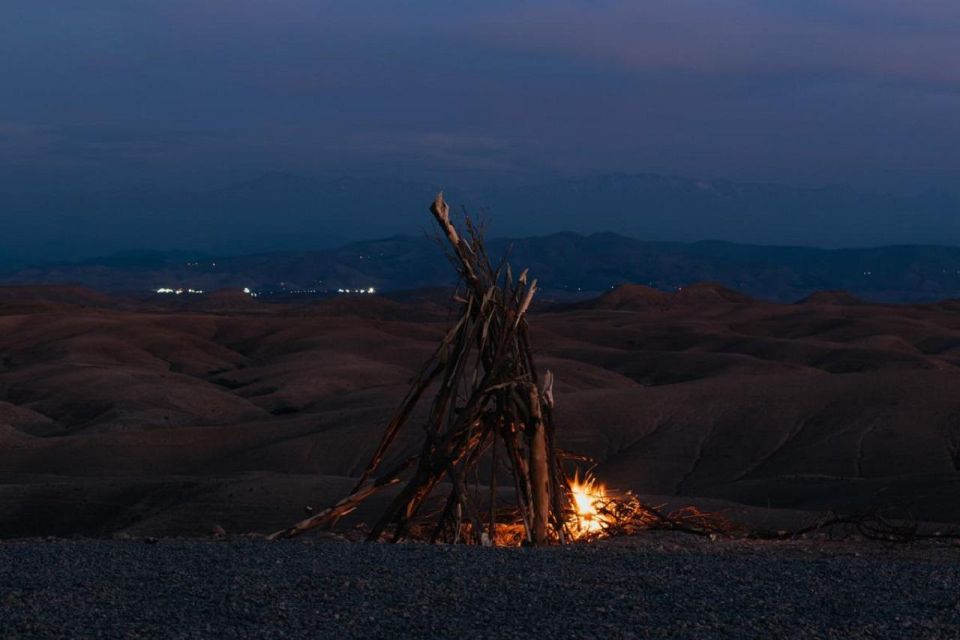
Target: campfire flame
590	498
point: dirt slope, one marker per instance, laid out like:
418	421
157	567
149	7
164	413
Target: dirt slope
115	418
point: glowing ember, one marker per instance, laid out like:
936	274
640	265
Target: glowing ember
589	499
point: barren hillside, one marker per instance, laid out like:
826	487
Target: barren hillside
116	417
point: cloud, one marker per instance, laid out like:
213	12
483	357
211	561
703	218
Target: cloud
744	89
885	40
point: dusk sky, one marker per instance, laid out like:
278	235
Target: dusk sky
864	92
201	94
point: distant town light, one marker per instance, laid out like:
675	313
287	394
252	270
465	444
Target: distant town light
370	290
179	292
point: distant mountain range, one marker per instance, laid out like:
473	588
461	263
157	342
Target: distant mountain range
282	212
568	265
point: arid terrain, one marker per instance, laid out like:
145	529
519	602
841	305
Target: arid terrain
170	419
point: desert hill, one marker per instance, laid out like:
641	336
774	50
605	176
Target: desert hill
830	297
633	297
170	420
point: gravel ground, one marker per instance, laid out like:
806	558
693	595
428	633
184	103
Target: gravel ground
660	587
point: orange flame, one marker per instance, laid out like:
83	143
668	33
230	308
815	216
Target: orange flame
589	497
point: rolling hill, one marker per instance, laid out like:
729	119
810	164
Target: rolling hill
119	417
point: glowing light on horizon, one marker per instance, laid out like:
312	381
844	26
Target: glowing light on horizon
177	292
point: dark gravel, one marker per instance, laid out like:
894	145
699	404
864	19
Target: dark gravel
662	587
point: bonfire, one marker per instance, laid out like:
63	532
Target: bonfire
591	514
491	413
490	410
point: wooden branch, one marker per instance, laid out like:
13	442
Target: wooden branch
539	471
487	392
340	509
441	211
398	420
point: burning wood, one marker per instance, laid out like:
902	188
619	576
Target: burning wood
590	516
490	408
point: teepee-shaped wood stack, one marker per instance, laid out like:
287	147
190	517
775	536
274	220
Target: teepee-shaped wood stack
488	402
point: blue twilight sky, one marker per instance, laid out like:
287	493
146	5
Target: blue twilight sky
803	92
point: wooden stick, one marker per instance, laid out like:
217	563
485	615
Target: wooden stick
399	419
488	391
539	471
492	525
348	504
